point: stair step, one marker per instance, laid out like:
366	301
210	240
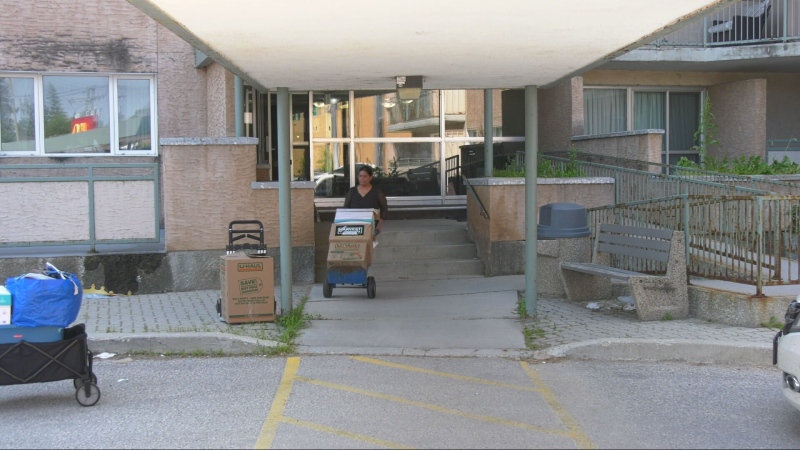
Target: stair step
427	236
398	253
427	270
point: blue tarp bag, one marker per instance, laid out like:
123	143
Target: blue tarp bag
49	300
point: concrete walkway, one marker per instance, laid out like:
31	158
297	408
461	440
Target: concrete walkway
455	317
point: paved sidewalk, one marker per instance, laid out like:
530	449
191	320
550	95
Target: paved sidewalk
457	317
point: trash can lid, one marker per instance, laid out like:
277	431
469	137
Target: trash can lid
562	220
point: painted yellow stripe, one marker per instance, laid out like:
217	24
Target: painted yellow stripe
575	431
270	428
339	432
444	374
440	409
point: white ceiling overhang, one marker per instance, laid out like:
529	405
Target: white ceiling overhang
453	44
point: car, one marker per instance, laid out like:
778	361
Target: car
336	183
786	353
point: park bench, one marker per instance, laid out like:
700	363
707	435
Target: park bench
656	296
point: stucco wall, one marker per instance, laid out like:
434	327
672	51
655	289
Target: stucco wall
641	144
208	186
219	86
91	36
182	96
740	110
500	239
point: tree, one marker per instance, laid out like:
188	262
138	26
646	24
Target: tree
56	121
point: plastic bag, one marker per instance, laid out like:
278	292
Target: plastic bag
53	299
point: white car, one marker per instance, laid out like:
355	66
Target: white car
786	353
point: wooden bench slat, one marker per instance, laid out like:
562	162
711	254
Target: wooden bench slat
599	269
633	241
659	233
636	252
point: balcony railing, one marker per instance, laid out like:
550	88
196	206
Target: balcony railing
744	22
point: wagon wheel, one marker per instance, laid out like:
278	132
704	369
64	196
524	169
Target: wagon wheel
78	382
371	287
87	395
327	289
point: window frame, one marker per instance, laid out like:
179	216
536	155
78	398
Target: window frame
113	92
667	90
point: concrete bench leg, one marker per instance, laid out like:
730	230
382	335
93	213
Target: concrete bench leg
581	286
656	297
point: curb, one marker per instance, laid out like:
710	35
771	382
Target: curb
650	350
176	342
682	350
429	352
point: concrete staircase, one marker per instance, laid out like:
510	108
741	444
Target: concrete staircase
425	249
415	249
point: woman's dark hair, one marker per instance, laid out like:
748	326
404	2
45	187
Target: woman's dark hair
367	169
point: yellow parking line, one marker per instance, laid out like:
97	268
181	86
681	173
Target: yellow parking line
275	414
575	431
444	374
440	409
339	432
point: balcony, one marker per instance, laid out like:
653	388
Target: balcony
748	36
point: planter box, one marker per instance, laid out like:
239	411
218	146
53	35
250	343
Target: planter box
501	238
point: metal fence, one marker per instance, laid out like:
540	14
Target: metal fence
633	185
79	204
744	239
744	22
757	182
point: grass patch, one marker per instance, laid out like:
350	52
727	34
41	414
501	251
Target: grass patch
773	323
531	335
667	317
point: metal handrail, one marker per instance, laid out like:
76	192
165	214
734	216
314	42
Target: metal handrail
470	189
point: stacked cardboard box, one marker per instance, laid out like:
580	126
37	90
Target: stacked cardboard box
247	288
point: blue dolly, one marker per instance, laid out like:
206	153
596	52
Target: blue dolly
347	224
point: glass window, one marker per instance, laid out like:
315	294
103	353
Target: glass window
76	114
133	111
384	115
17	123
684	111
464	111
331	171
329	111
604	110
403	168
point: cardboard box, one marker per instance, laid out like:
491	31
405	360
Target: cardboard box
5	306
351	241
247	288
10	334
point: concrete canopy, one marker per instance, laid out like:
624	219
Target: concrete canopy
453	44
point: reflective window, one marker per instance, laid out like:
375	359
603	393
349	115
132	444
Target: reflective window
329	111
76	115
133	110
403	168
464	113
385	115
17	123
331	171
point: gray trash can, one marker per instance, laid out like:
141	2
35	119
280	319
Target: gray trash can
562	220
563	236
